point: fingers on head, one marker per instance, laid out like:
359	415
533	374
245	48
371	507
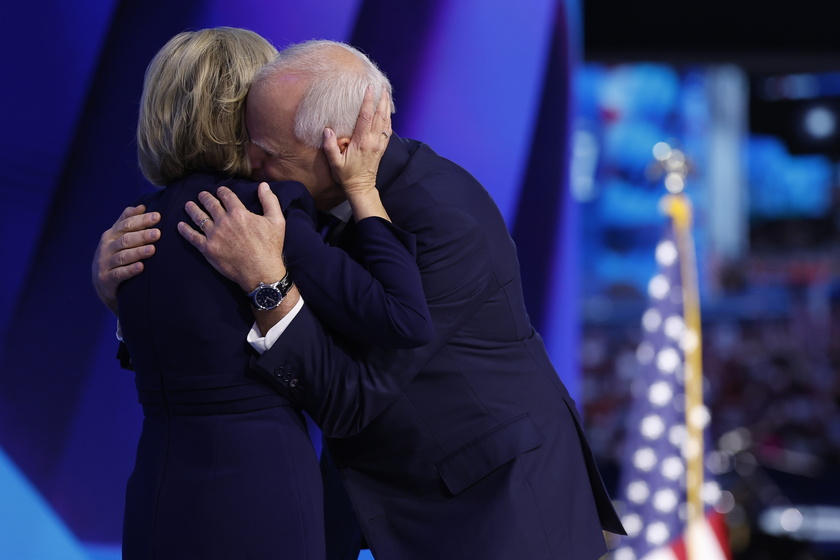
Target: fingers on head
367	111
383	108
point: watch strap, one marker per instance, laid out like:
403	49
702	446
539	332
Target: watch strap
282	286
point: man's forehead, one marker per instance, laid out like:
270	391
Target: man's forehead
281	85
257	101
262	116
276	99
288	78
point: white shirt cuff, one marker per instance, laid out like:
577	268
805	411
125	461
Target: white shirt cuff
262	343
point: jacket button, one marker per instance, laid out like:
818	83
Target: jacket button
296	385
279	371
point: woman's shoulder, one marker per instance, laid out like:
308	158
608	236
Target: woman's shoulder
291	194
291	191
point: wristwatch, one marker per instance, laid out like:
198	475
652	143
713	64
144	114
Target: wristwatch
268	296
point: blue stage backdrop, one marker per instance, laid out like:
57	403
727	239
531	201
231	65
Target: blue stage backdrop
486	84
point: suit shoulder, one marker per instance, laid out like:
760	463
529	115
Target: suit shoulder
431	182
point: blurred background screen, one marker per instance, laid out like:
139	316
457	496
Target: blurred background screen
751	94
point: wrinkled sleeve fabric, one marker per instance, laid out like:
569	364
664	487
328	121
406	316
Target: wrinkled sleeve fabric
344	387
378	298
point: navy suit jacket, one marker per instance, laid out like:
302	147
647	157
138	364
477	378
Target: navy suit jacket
469	446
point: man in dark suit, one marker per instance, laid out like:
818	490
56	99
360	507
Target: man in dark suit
470	446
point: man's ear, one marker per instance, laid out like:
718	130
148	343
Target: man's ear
343	143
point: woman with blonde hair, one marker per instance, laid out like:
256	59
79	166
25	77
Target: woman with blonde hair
225	467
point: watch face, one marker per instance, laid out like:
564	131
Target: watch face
268	298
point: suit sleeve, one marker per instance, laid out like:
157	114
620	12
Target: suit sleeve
344	387
377	300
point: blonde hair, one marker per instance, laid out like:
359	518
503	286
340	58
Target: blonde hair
336	89
191	108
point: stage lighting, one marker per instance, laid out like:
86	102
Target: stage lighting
820	122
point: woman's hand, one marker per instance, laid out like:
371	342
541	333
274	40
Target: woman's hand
355	161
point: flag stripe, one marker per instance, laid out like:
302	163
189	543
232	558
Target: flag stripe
664	429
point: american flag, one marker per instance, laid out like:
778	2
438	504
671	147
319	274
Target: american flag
659	445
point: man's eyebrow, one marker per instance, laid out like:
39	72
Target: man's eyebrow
257	143
263	147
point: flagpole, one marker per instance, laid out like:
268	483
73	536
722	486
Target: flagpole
678	207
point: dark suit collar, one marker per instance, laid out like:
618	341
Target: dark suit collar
394	160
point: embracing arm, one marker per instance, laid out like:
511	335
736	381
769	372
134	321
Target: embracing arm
344	389
379	302
377	298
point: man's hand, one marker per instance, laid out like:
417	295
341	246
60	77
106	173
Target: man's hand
244	247
121	251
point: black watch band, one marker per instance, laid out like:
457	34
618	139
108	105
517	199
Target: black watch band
268	296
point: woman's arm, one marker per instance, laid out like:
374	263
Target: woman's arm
378	298
345	387
375	295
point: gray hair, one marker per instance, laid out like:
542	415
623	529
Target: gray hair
336	89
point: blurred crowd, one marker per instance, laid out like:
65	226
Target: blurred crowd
775	377
773	391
